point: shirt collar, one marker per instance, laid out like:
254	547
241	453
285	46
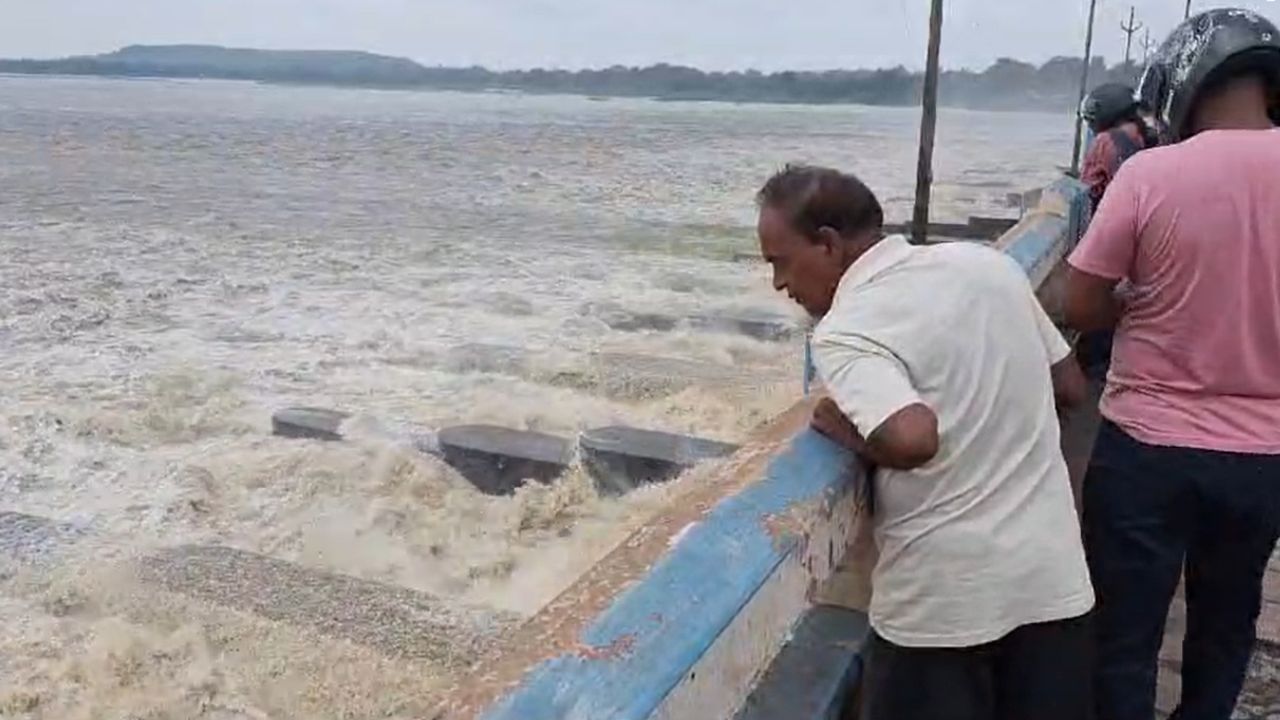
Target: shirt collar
880	257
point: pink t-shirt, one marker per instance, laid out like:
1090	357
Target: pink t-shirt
1195	227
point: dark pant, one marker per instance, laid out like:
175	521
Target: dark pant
1148	512
1037	672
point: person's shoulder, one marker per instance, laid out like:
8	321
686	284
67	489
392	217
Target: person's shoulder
1154	164
842	322
1152	159
864	309
986	266
1231	144
1103	142
976	255
1218	144
1101	147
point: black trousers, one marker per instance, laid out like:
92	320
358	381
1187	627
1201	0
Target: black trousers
1150	512
1037	672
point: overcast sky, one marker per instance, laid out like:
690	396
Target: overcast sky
712	34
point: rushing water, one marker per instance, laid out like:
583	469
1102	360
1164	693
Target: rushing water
178	259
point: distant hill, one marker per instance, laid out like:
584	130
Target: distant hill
1006	85
210	61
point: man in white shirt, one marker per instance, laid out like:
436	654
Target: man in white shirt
943	370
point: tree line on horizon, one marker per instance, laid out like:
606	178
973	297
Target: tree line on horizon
1008	84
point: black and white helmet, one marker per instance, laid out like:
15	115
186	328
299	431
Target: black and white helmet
1204	49
1107	106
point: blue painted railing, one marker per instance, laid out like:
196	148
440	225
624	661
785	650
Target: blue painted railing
687	639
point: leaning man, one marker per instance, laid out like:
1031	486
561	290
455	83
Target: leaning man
943	371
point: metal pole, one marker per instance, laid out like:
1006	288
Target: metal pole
1129	30
928	129
810	372
1084	87
1188	15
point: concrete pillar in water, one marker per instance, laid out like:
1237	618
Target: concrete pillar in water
621	459
487	358
498	460
761	326
30	540
309	423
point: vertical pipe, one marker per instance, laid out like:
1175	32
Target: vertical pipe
810	372
1084	87
928	129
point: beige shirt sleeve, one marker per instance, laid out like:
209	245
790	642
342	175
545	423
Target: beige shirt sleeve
868	382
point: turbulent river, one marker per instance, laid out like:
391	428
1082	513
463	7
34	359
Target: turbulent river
180	259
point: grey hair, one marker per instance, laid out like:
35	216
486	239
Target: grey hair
817	197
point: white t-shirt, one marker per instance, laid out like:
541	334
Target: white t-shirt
983	539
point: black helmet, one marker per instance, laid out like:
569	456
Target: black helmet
1108	105
1204	49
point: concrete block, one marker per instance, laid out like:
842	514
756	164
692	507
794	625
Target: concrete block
618	375
29	539
641	322
675	369
762	326
625	319
770	328
309	423
485	358
622	458
636	377
498	460
395	621
812	676
334	426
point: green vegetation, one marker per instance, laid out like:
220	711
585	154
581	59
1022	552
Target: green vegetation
1007	85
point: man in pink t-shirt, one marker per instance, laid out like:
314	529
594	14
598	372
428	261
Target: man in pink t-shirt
1186	470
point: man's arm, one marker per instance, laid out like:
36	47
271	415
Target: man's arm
1104	256
906	441
1092	302
1069	385
1070	389
871	389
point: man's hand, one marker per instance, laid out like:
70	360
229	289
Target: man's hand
831	421
1070	388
